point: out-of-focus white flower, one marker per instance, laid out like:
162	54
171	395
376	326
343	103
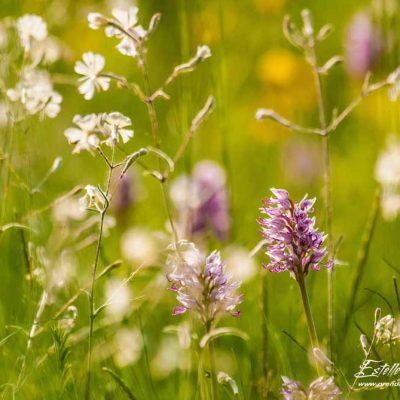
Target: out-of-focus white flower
224	379
96	20
169	357
36	94
4	110
128	345
239	264
67	322
203	52
394	88
31	27
63	271
118	299
114	125
67	210
140	246
320	389
91	68
83	137
3	36
387	329
48	51
130	34
92	199
387	173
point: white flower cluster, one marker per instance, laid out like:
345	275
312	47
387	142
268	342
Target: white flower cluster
34	90
387	329
36	94
387	173
124	26
86	135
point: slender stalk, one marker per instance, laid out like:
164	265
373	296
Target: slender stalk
208	352
307	310
263	307
156	138
32	333
94	272
327	192
362	258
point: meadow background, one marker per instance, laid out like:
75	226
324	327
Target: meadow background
252	66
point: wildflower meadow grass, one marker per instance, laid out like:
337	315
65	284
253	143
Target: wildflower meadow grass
199	199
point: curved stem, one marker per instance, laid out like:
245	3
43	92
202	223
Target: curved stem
92	287
156	139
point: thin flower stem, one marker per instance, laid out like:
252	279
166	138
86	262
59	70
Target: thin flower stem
327	193
94	272
156	139
362	258
309	317
32	333
307	310
263	307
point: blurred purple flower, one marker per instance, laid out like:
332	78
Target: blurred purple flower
362	45
319	389
124	196
202	200
200	283
293	243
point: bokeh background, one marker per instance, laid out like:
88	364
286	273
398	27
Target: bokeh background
252	66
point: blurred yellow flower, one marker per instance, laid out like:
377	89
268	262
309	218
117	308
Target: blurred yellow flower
279	67
267	6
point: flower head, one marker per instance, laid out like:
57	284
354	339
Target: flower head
113	126
387	173
200	283
123	26
293	243
35	92
92	199
31	27
202	200
320	389
91	68
387	329
83	137
363	45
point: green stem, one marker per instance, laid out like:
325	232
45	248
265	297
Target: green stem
92	287
307	310
327	191
156	139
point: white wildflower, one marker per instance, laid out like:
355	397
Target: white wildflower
387	330
91	68
140	246
118	299
68	210
31	28
128	345
36	94
114	125
387	173
124	27
239	263
92	199
96	20
83	137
